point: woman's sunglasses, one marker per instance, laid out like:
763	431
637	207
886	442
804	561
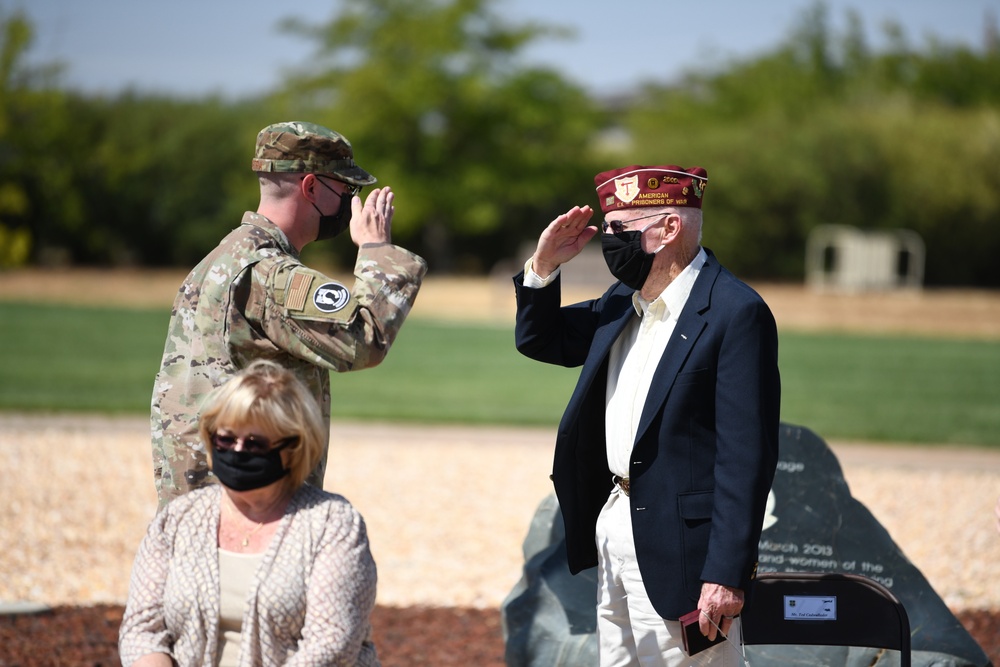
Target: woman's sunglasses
255	444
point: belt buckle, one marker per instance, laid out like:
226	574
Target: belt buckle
622	483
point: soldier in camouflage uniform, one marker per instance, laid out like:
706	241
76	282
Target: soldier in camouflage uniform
252	298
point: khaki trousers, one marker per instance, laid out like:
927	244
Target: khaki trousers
629	631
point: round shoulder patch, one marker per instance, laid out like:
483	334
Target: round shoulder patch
331	297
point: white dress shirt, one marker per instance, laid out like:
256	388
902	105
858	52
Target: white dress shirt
634	357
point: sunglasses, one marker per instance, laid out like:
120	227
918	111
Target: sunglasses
355	190
618	226
254	444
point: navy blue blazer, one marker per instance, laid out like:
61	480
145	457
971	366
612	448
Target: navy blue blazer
707	444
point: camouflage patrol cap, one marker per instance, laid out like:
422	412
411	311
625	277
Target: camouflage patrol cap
307	148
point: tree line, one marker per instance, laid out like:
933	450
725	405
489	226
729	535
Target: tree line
483	151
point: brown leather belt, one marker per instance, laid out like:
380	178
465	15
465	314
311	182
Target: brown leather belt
622	483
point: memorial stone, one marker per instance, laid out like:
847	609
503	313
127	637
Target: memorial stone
813	524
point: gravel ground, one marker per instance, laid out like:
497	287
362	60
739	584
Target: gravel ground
447	508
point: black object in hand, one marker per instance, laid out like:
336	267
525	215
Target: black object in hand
694	641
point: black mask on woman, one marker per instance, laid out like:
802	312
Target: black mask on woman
625	257
246	471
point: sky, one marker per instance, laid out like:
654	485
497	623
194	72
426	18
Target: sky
233	48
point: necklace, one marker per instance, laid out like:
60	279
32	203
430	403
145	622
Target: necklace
246	538
245	542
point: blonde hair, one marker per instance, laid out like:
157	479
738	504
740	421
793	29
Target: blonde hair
268	395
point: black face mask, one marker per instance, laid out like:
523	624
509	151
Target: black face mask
245	471
332	225
626	259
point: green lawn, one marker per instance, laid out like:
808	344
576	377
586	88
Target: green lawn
57	358
872	388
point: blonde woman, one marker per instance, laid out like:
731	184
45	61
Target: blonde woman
261	568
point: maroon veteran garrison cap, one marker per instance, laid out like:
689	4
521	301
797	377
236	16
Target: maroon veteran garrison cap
650	186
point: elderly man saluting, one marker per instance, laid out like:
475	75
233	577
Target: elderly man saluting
667	449
252	298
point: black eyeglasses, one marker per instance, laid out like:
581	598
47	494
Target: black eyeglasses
618	226
255	444
355	190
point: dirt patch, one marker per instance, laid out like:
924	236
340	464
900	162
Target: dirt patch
404	637
965	313
960	313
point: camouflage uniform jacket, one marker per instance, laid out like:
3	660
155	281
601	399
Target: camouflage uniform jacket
252	298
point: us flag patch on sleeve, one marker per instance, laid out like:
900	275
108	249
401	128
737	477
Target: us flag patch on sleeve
298	291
